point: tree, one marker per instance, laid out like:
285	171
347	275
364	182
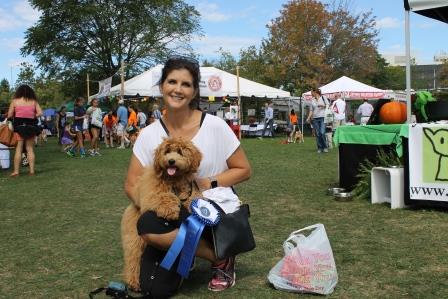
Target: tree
99	35
5	94
443	74
309	44
388	77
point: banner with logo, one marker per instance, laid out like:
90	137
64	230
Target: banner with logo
428	162
104	87
211	84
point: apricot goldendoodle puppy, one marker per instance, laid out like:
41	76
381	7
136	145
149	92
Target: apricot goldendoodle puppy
161	188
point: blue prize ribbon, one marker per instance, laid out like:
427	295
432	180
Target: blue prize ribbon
194	232
175	248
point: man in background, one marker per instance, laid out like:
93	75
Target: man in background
122	121
268	119
365	110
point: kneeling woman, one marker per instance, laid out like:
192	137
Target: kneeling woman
224	163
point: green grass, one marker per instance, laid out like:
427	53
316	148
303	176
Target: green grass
60	230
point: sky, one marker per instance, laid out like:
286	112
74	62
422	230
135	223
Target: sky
236	24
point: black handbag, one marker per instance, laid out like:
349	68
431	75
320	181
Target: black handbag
233	235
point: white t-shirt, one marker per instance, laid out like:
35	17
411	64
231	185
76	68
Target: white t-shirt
215	140
365	109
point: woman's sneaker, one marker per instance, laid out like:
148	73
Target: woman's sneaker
223	276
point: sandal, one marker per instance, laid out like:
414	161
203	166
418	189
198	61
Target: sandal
13	175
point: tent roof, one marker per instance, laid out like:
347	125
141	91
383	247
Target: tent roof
214	82
349	88
435	9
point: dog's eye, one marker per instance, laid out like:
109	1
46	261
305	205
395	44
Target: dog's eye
179	151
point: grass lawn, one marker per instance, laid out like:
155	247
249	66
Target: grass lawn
60	230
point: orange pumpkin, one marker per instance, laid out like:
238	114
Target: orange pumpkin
393	113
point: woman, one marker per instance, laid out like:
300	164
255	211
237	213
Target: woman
78	126
61	120
223	164
25	110
96	125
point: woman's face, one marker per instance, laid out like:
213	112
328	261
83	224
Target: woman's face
178	89
94	103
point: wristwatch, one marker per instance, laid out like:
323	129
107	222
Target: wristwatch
213	182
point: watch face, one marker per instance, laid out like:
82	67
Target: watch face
214	184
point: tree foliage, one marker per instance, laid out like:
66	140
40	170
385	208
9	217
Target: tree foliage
443	74
99	35
310	44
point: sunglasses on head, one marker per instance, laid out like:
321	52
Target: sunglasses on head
177	58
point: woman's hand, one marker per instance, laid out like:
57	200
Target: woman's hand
203	183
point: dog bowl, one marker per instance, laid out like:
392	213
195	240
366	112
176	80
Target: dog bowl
334	190
343	196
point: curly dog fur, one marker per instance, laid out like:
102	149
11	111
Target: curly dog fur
161	188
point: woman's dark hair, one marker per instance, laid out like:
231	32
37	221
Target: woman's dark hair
78	100
192	66
292	112
62	108
26	92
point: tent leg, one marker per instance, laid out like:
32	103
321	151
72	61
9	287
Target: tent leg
408	67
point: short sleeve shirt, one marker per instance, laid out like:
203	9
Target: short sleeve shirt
215	140
79	111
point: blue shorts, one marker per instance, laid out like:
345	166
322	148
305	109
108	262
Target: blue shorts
78	128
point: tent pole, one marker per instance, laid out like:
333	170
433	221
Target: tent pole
122	79
88	88
301	111
239	99
408	67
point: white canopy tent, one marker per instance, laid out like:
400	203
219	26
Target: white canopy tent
435	9
349	89
214	82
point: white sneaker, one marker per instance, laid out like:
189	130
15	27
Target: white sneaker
325	150
107	145
120	147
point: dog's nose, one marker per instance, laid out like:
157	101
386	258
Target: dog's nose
171	161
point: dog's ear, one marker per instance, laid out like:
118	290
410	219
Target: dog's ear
195	156
158	157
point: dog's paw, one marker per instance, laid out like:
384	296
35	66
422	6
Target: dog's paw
169	213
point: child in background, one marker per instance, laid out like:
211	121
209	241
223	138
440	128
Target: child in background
67	138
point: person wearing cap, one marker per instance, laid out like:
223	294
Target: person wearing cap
122	116
365	110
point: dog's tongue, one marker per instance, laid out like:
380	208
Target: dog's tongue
171	170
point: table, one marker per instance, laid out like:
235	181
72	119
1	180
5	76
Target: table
255	130
357	143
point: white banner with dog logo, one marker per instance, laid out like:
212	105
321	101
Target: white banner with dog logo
428	162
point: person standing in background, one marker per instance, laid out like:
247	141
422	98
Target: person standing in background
317	114
122	122
338	108
268	119
61	120
78	126
141	118
96	125
24	109
365	110
156	112
293	123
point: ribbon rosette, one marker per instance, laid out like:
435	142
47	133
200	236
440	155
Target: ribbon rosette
187	239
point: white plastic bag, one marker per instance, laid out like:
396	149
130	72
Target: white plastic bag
308	265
